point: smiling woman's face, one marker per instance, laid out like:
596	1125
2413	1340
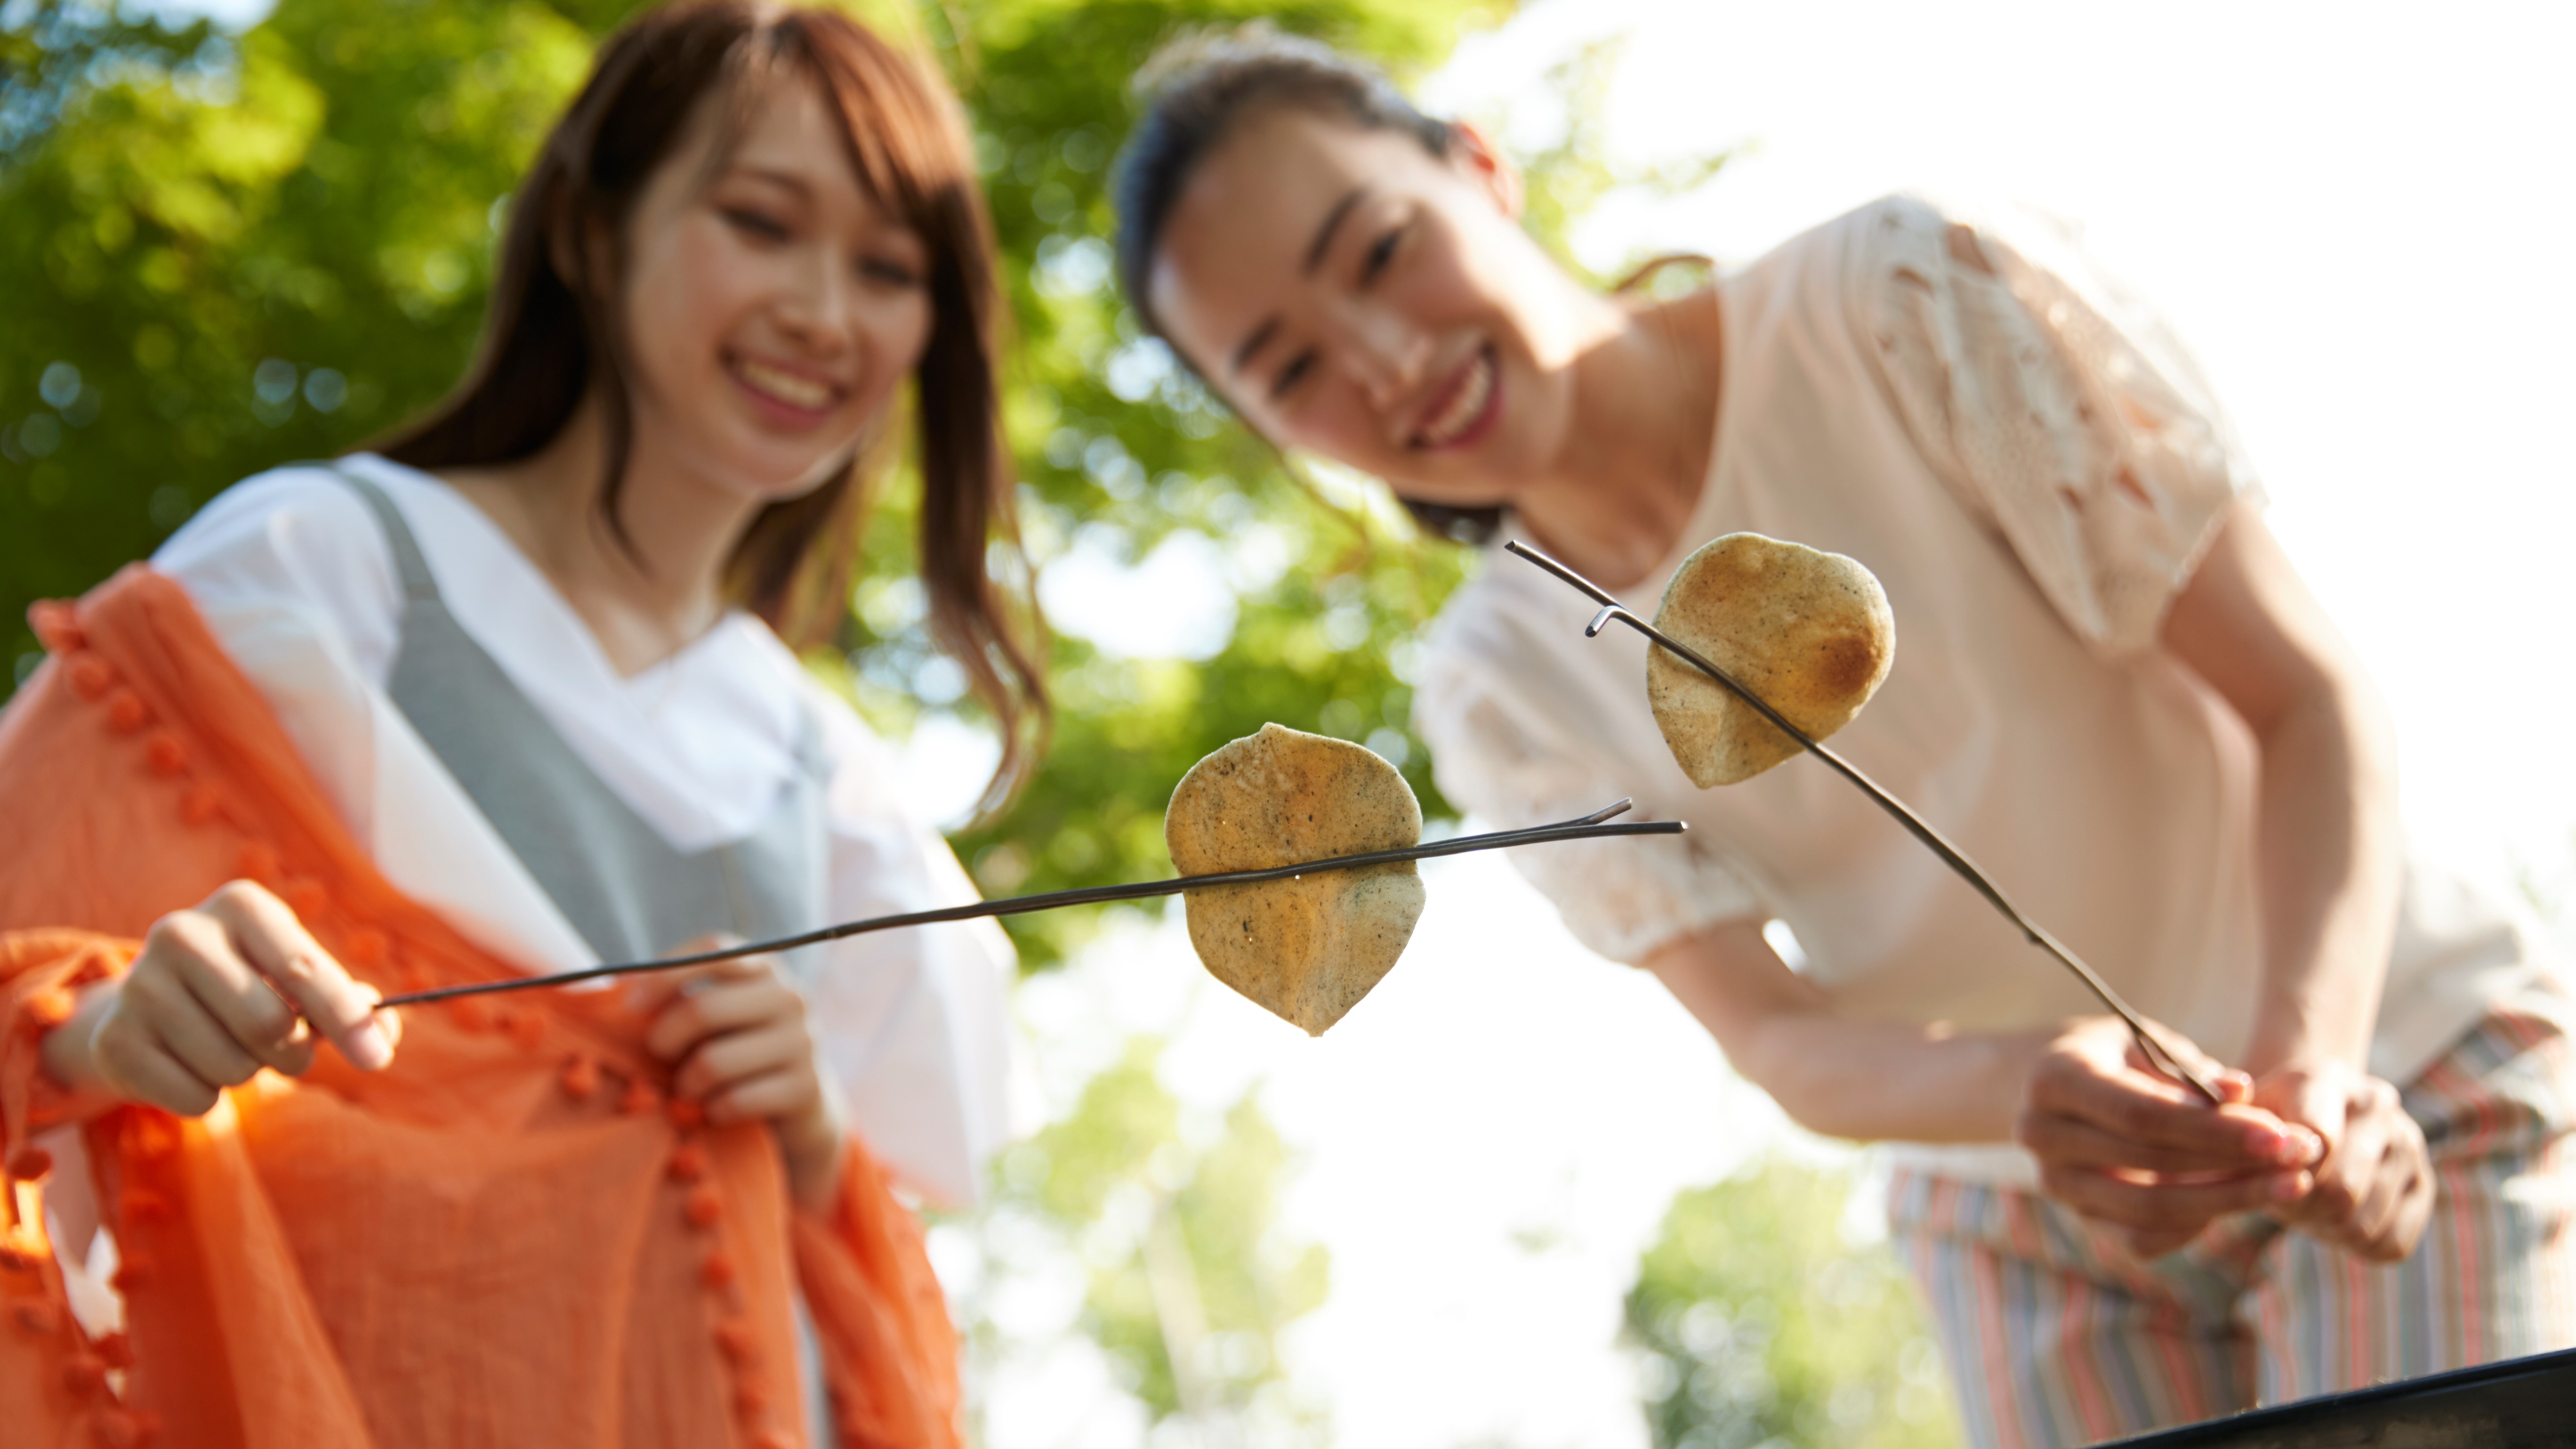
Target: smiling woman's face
1354	295
772	307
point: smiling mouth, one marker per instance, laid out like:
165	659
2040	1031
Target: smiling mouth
1468	400
783	386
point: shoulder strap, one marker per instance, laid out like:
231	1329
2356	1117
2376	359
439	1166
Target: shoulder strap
418	586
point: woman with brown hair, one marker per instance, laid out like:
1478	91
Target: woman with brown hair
2111	688
509	694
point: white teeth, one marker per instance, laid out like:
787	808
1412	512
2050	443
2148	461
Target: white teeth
787	387
1466	406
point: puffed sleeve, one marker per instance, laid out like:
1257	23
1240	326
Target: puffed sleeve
1496	752
916	1023
2057	406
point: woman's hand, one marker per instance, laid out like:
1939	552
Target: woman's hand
2127	1146
2374	1190
738	1031
217	993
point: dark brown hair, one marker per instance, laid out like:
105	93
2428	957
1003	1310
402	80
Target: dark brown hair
550	338
1196	91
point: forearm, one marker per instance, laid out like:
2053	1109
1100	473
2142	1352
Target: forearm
2326	821
1893	1081
2329	862
1865	1080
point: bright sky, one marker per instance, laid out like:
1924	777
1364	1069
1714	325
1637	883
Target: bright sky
2356	214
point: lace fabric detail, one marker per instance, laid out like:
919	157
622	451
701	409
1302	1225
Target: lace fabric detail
1623	897
2058	407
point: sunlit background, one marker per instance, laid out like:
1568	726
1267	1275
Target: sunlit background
2359	216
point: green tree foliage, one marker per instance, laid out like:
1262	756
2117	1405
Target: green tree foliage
1759	1324
1121	450
224	253
1188	1276
242	252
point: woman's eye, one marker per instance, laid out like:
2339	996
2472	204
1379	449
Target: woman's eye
1294	373
759	225
1380	252
891	273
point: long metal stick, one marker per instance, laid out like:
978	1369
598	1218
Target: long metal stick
1598	823
2165	1060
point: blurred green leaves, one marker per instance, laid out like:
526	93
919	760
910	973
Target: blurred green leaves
248	250
1187	1276
1759	1321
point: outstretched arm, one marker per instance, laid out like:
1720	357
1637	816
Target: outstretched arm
2327	836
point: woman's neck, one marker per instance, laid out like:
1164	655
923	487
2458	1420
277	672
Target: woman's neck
644	599
1638	453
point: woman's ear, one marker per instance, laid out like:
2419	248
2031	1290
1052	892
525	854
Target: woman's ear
1474	153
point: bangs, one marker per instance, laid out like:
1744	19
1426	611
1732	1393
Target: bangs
904	138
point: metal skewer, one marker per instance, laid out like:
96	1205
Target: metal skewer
2165	1060
1598	823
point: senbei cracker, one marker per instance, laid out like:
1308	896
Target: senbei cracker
1309	948
1808	631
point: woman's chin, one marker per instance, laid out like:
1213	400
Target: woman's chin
761	469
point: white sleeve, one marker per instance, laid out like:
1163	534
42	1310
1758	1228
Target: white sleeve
300	539
2057	406
1624	897
916	1023
293	574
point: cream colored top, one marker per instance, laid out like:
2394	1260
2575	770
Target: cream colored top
2032	466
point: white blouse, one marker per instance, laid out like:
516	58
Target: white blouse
295	577
2032	467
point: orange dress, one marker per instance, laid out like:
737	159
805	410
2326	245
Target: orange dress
509	1237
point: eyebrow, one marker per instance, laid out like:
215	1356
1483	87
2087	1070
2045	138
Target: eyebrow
786	179
1315	250
1332	223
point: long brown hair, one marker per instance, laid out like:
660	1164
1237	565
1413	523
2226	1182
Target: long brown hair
549	338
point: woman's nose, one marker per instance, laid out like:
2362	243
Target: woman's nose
821	303
1386	356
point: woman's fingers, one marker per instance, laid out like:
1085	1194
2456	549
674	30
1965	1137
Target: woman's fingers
2345	1178
2374	1190
201	1044
782	1092
160	1006
255	1018
2165	1204
2152	1112
719	1000
723	1060
2414	1210
2233	1086
2073	1143
2374	1218
142	1070
273	941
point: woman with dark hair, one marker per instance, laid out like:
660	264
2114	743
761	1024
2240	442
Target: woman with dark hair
509	694
2112	690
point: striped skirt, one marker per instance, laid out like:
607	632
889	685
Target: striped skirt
2054	1336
